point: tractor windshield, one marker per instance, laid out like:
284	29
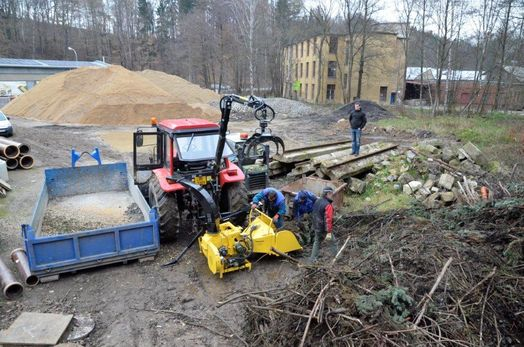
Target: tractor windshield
199	147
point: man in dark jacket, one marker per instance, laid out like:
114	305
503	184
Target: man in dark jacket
357	120
302	208
274	205
323	223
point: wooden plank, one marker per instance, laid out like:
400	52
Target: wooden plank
367	151
275	164
356	167
5	185
305	154
325	144
33	328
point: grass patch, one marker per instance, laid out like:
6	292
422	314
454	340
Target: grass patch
483	130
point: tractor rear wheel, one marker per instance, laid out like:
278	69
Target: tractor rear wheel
167	207
235	198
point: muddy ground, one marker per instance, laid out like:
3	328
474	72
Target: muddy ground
129	303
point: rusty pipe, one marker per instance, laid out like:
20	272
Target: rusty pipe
9	151
22	147
19	257
10	286
10	163
26	162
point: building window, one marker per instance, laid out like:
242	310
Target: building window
330	92
307	70
301	69
300	91
383	94
333	44
306	92
314	69
296	50
332	69
312	91
346	60
302	49
296	71
345	81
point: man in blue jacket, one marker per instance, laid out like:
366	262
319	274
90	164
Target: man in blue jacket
302	208
274	205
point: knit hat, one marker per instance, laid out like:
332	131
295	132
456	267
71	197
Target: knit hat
327	190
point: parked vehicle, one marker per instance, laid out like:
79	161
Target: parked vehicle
6	128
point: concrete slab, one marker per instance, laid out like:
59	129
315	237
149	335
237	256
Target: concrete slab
33	328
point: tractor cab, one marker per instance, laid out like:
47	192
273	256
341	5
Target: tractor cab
175	149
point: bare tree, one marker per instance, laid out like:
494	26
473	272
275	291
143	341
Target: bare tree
503	40
246	17
369	8
322	16
408	16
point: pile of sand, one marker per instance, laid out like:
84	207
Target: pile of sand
113	95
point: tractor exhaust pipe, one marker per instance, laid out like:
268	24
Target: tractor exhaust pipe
10	163
26	162
10	287
19	257
9	151
23	148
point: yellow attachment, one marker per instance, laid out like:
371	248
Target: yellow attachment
237	245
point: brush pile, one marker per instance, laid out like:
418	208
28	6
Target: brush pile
450	277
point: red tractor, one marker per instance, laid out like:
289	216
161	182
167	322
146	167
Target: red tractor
193	150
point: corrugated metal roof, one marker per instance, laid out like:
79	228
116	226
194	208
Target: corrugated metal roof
413	73
52	64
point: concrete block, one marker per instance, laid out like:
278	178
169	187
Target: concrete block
447	154
432	201
415	185
474	153
429	184
405	178
446	181
357	186
3	171
447	197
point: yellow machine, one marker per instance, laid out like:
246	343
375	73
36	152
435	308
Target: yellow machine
229	248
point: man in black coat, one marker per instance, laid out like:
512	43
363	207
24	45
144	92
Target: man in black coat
322	215
357	120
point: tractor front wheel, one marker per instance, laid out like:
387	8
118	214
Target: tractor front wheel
167	207
235	198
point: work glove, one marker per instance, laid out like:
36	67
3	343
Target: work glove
275	217
329	236
253	206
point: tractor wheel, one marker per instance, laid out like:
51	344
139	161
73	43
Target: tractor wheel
167	207
235	199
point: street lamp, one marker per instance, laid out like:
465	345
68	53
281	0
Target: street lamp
72	49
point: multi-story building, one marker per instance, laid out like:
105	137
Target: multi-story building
317	70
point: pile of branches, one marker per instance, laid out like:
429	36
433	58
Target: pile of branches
405	278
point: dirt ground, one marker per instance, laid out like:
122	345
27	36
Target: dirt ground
130	303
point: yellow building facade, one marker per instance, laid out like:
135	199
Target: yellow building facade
317	70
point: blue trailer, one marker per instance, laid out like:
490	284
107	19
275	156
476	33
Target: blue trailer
72	250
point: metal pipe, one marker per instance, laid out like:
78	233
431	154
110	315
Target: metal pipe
26	162
9	151
10	163
22	147
19	257
10	287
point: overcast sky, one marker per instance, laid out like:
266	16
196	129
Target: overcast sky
389	12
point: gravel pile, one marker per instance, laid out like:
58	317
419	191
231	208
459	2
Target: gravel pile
373	111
